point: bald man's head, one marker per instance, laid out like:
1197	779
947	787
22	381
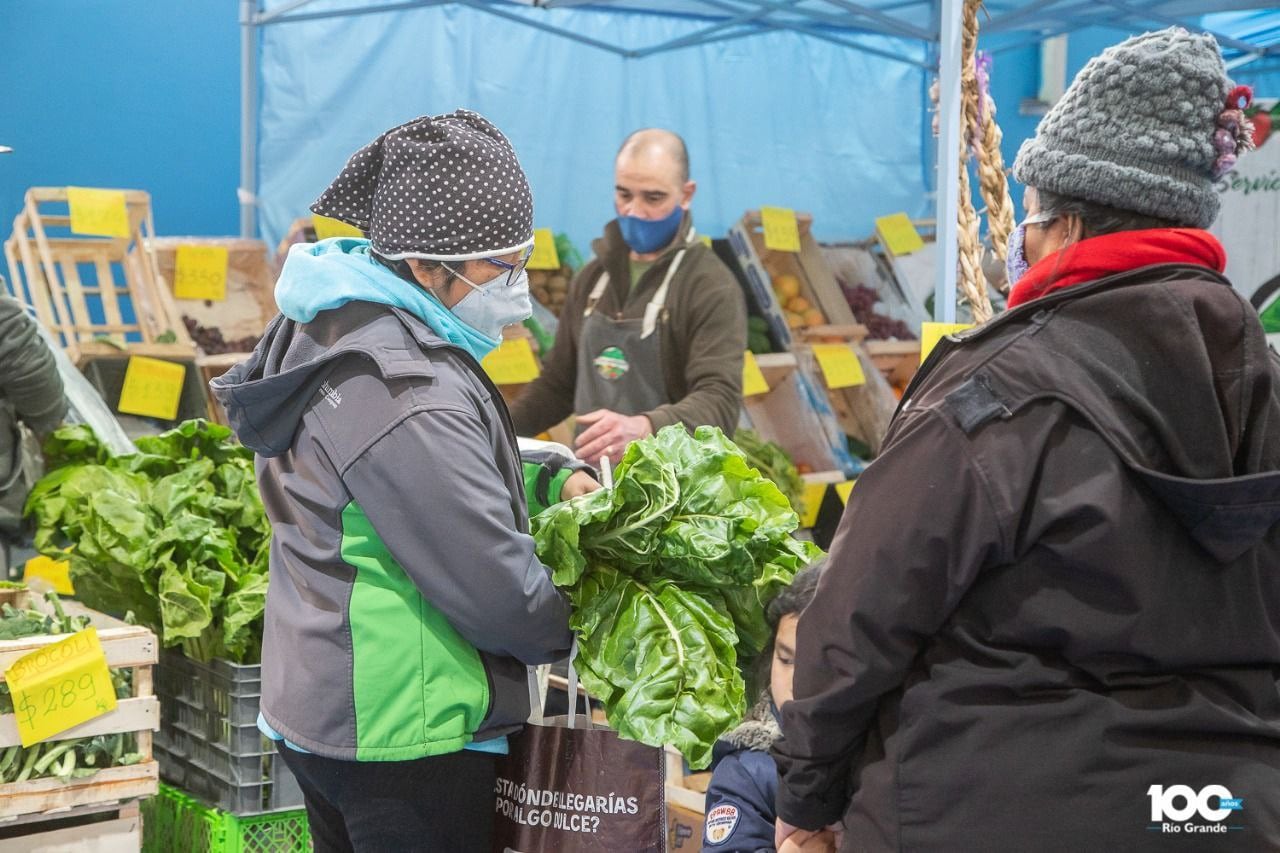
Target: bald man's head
655	145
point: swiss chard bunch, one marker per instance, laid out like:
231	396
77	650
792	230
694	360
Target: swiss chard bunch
668	574
175	532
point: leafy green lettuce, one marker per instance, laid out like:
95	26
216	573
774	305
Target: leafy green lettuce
175	532
668	574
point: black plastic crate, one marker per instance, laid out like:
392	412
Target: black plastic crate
272	788
209	743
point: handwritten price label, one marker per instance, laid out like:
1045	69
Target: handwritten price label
899	234
753	381
101	213
932	333
781	231
512	363
545	256
60	686
152	388
44	573
840	365
201	273
845	489
813	495
326	228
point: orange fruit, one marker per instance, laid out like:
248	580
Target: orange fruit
787	287
814	317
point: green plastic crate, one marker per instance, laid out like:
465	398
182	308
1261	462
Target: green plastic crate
173	821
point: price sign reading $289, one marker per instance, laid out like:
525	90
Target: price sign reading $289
60	686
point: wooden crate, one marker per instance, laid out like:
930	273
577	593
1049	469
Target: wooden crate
250	304
761	265
686	798
125	646
799	415
52	269
89	829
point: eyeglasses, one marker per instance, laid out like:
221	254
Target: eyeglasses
513	270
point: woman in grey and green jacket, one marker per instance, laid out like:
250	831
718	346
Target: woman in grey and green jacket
406	601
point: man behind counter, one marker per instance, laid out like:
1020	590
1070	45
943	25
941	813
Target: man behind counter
654	326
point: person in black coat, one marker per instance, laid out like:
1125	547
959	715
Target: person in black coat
740	812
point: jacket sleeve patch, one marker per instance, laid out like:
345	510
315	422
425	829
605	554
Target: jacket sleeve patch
721	822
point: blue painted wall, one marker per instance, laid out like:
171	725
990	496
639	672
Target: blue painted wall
139	94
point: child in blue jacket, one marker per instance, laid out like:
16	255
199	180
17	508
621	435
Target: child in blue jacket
740	810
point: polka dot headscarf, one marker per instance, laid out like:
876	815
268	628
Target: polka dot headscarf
445	187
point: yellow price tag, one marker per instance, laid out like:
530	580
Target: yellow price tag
327	227
200	272
152	388
512	363
900	237
706	240
43	573
845	489
102	213
753	381
813	495
931	333
60	686
781	231
840	365
545	256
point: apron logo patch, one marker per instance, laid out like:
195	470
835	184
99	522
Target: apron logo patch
611	363
721	822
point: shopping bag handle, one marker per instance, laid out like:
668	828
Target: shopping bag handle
573	691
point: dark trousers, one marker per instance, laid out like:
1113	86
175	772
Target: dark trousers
442	804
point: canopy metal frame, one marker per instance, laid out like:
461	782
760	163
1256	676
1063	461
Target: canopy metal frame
924	34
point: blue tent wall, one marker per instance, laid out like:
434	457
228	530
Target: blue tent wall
775	119
145	94
141	94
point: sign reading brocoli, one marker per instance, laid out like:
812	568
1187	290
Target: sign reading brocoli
668	574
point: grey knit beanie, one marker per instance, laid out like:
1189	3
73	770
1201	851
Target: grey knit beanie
1135	130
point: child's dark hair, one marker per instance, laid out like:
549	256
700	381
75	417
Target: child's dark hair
789	602
795	597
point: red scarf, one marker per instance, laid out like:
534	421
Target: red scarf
1108	254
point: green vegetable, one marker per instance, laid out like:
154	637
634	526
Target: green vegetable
774	463
175	533
668	574
64	759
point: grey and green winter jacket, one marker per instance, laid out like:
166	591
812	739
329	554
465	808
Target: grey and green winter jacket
405	599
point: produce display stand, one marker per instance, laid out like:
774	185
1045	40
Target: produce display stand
245	312
209	744
102	298
103	828
686	796
27	807
797	415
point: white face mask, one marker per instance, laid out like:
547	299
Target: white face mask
491	306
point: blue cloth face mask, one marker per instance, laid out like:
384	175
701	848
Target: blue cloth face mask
646	236
495	304
1015	262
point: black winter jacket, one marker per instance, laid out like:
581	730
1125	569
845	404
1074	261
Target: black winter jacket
1055	597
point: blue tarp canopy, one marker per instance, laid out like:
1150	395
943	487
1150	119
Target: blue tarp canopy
814	104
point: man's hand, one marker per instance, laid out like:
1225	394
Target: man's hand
579	483
792	839
608	434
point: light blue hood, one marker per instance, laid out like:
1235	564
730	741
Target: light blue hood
331	273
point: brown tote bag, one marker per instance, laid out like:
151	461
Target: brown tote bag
568	786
